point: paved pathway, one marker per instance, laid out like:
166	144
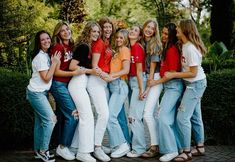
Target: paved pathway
213	154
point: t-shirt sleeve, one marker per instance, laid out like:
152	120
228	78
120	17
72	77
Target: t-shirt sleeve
41	63
80	52
155	58
138	54
98	47
173	59
193	58
125	54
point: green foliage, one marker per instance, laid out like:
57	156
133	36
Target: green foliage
16	119
218	107
218	54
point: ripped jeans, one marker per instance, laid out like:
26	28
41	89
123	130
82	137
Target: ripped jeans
136	113
189	113
45	119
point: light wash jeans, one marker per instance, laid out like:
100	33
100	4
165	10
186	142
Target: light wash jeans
152	102
97	90
136	117
45	119
83	138
189	114
122	119
66	106
119	91
167	114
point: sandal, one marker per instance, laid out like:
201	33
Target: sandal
198	152
150	153
183	159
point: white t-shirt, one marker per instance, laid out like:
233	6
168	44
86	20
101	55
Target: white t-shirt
191	56
40	62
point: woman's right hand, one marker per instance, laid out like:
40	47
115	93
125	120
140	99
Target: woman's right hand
56	57
79	71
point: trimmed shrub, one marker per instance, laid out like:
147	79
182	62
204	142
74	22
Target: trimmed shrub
218	107
16	121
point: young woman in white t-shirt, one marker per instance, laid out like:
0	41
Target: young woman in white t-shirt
189	113
37	94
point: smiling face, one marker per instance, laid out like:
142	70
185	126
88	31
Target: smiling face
45	42
134	33
95	33
149	30
164	35
120	39
65	33
107	30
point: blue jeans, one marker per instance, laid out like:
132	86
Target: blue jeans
66	106
136	117
45	119
124	124
166	116
119	92
189	114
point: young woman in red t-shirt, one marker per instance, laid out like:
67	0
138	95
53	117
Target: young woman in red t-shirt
172	92
137	83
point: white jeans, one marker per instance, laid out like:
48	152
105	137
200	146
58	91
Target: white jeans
97	91
84	135
152	102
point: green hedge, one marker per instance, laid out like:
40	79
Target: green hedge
218	108
228	64
16	115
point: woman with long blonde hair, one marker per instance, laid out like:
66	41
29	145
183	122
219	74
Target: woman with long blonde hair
153	47
189	112
84	134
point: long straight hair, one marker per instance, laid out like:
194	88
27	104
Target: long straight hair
155	40
37	43
172	38
189	29
56	34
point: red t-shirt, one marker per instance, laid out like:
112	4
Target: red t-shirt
66	57
171	62
99	47
137	56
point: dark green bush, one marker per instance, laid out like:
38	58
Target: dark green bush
218	107
16	115
227	64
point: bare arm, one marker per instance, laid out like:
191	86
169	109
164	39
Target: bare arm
139	73
47	75
188	74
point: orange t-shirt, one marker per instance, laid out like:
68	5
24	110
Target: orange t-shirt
117	59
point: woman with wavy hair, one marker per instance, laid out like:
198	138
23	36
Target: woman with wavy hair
189	114
84	135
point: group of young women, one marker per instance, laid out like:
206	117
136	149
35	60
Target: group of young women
104	68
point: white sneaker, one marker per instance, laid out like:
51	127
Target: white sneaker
133	154
65	153
73	150
99	154
122	150
85	157
106	150
168	157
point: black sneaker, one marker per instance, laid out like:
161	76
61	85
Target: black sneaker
37	157
45	156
